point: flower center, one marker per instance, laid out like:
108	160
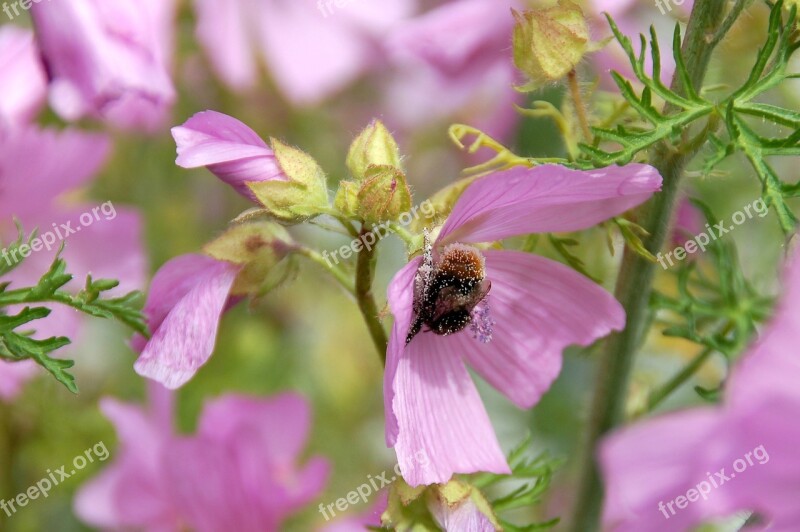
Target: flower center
450	294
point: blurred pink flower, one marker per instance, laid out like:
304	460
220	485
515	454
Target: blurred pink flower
37	168
633	18
538	307
688	222
23	83
312	48
228	148
455	61
186	301
108	60
739	456
238	472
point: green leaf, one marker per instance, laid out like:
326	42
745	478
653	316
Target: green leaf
16	346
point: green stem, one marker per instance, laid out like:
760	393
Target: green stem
656	396
577	101
635	281
336	272
666	389
413	242
365	273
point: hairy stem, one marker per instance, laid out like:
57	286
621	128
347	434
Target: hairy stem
334	270
580	109
365	273
635	280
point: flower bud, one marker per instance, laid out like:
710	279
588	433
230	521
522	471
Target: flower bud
256	247
302	196
449	506
346	200
228	148
458	502
374	146
383	195
549	42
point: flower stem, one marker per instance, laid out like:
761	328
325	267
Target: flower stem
336	272
635	281
666	389
662	392
580	109
365	273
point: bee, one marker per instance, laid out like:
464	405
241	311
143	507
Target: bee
447	291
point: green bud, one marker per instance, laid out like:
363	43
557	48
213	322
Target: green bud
449	497
411	509
549	42
374	146
303	196
257	247
383	195
346	200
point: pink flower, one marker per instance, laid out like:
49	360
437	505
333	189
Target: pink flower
108	59
312	48
455	61
38	167
674	472
228	148
23	84
238	472
514	338
187	298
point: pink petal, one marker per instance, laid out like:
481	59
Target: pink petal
37	165
309	70
254	483
772	366
207	490
109	246
14	375
464	516
658	461
457	36
185	338
227	417
131	491
227	35
23	84
230	149
400	295
546	199
106	60
540	307
443	428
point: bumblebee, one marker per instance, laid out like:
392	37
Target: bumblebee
447	291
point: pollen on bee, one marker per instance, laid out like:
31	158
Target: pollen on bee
462	262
